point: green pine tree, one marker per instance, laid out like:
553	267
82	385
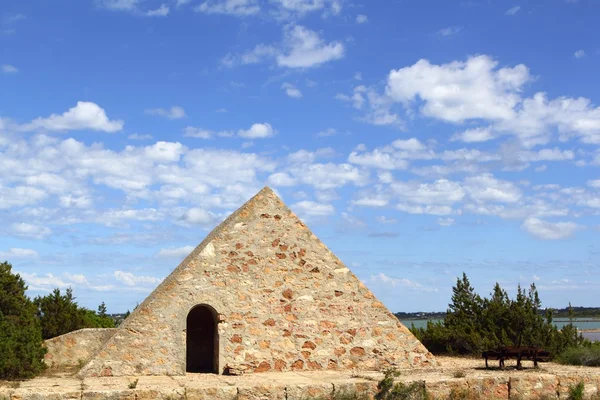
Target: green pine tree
21	351
59	314
464	318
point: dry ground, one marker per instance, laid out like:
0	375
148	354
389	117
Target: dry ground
449	368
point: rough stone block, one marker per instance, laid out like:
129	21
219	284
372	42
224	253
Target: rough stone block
40	395
127	394
156	394
212	393
364	387
309	391
591	384
262	392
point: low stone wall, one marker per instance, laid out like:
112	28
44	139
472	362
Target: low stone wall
75	348
293	386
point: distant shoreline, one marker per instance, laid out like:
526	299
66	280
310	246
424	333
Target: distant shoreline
596	330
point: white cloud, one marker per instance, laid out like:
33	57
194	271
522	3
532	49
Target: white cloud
371	200
182	2
579	54
328	176
391	157
162	11
485	188
378	159
281	179
240	8
120	5
256	55
20	196
327	132
513	10
548	230
137	136
440	192
133	7
72	201
129	279
476	90
450	31
379	112
312	209
446	221
361	19
411	144
175	252
305	156
291	90
402	282
460	91
9	69
594	183
29	231
85	115
304	48
257	131
198	216
385	220
48	282
174	112
12	18
45	282
194	132
17	253
286	9
475	135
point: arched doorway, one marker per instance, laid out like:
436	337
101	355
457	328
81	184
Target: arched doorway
202	341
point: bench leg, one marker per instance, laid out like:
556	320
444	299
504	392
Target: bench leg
486	363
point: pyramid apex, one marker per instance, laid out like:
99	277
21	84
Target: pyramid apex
266	190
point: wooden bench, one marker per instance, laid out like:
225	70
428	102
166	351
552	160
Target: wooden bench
519	353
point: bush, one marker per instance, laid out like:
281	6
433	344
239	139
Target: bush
59	314
474	324
388	390
586	355
21	350
576	392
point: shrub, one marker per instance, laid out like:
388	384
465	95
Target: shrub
576	392
587	355
388	390
59	314
21	350
459	374
474	324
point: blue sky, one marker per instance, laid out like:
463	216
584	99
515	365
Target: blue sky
418	139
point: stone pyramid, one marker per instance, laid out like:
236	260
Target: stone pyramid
260	293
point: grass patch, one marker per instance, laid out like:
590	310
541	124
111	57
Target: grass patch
133	385
588	356
576	392
459	374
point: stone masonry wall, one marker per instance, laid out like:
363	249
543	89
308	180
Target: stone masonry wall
527	385
74	348
285	302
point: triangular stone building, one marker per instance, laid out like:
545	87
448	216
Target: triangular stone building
260	293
